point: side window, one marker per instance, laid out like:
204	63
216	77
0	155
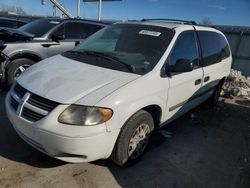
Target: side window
214	47
73	31
80	30
59	30
90	29
185	48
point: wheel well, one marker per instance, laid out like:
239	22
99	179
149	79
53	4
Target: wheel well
30	56
155	112
222	80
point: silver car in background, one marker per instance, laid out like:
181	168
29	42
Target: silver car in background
20	48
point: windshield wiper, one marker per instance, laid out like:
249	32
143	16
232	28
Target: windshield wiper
108	57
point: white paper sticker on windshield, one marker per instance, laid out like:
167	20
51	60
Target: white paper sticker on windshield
54	22
151	33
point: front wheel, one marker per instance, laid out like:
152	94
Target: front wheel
17	67
133	139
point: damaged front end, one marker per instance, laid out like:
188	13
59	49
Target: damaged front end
3	60
14	35
8	35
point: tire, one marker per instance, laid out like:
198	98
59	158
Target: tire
126	150
17	65
214	99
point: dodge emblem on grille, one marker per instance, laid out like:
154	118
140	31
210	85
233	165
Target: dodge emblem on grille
22	103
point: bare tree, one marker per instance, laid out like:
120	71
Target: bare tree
7	8
206	21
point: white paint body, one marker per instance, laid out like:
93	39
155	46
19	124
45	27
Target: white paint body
70	82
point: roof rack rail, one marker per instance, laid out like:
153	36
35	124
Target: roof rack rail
172	20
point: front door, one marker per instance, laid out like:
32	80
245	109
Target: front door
184	87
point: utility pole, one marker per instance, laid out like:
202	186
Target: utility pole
100	10
54	10
78	8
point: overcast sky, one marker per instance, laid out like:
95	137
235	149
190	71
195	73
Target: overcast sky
227	12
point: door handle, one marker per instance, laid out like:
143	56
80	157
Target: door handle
197	82
50	44
206	78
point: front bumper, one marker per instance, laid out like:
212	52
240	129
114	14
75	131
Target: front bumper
64	142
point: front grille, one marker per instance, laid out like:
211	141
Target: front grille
19	90
34	108
31	115
14	103
42	103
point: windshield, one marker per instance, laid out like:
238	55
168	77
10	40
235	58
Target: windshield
124	47
39	27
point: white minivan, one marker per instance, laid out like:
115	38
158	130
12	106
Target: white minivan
105	97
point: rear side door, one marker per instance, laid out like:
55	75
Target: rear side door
215	52
184	86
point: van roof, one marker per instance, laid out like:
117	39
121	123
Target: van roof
168	23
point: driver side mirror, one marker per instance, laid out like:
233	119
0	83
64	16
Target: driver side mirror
183	65
58	37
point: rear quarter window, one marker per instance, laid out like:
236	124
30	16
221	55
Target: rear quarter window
213	46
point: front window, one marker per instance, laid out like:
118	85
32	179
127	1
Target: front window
40	27
185	48
124	47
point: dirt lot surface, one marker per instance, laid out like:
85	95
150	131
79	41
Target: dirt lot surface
211	149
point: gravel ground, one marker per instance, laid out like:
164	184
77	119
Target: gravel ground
211	149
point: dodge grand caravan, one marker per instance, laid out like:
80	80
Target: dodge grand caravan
105	97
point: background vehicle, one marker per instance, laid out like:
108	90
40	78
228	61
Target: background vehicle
107	95
38	40
11	23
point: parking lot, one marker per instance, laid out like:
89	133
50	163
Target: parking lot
209	148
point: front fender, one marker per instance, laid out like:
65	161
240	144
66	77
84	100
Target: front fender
123	111
25	53
147	90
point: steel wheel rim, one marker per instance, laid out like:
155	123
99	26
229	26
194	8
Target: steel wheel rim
20	70
139	141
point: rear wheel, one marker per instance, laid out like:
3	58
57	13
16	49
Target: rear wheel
17	67
213	101
133	139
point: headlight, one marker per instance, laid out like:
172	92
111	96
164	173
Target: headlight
85	116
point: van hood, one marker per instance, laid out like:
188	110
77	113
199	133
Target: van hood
67	81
